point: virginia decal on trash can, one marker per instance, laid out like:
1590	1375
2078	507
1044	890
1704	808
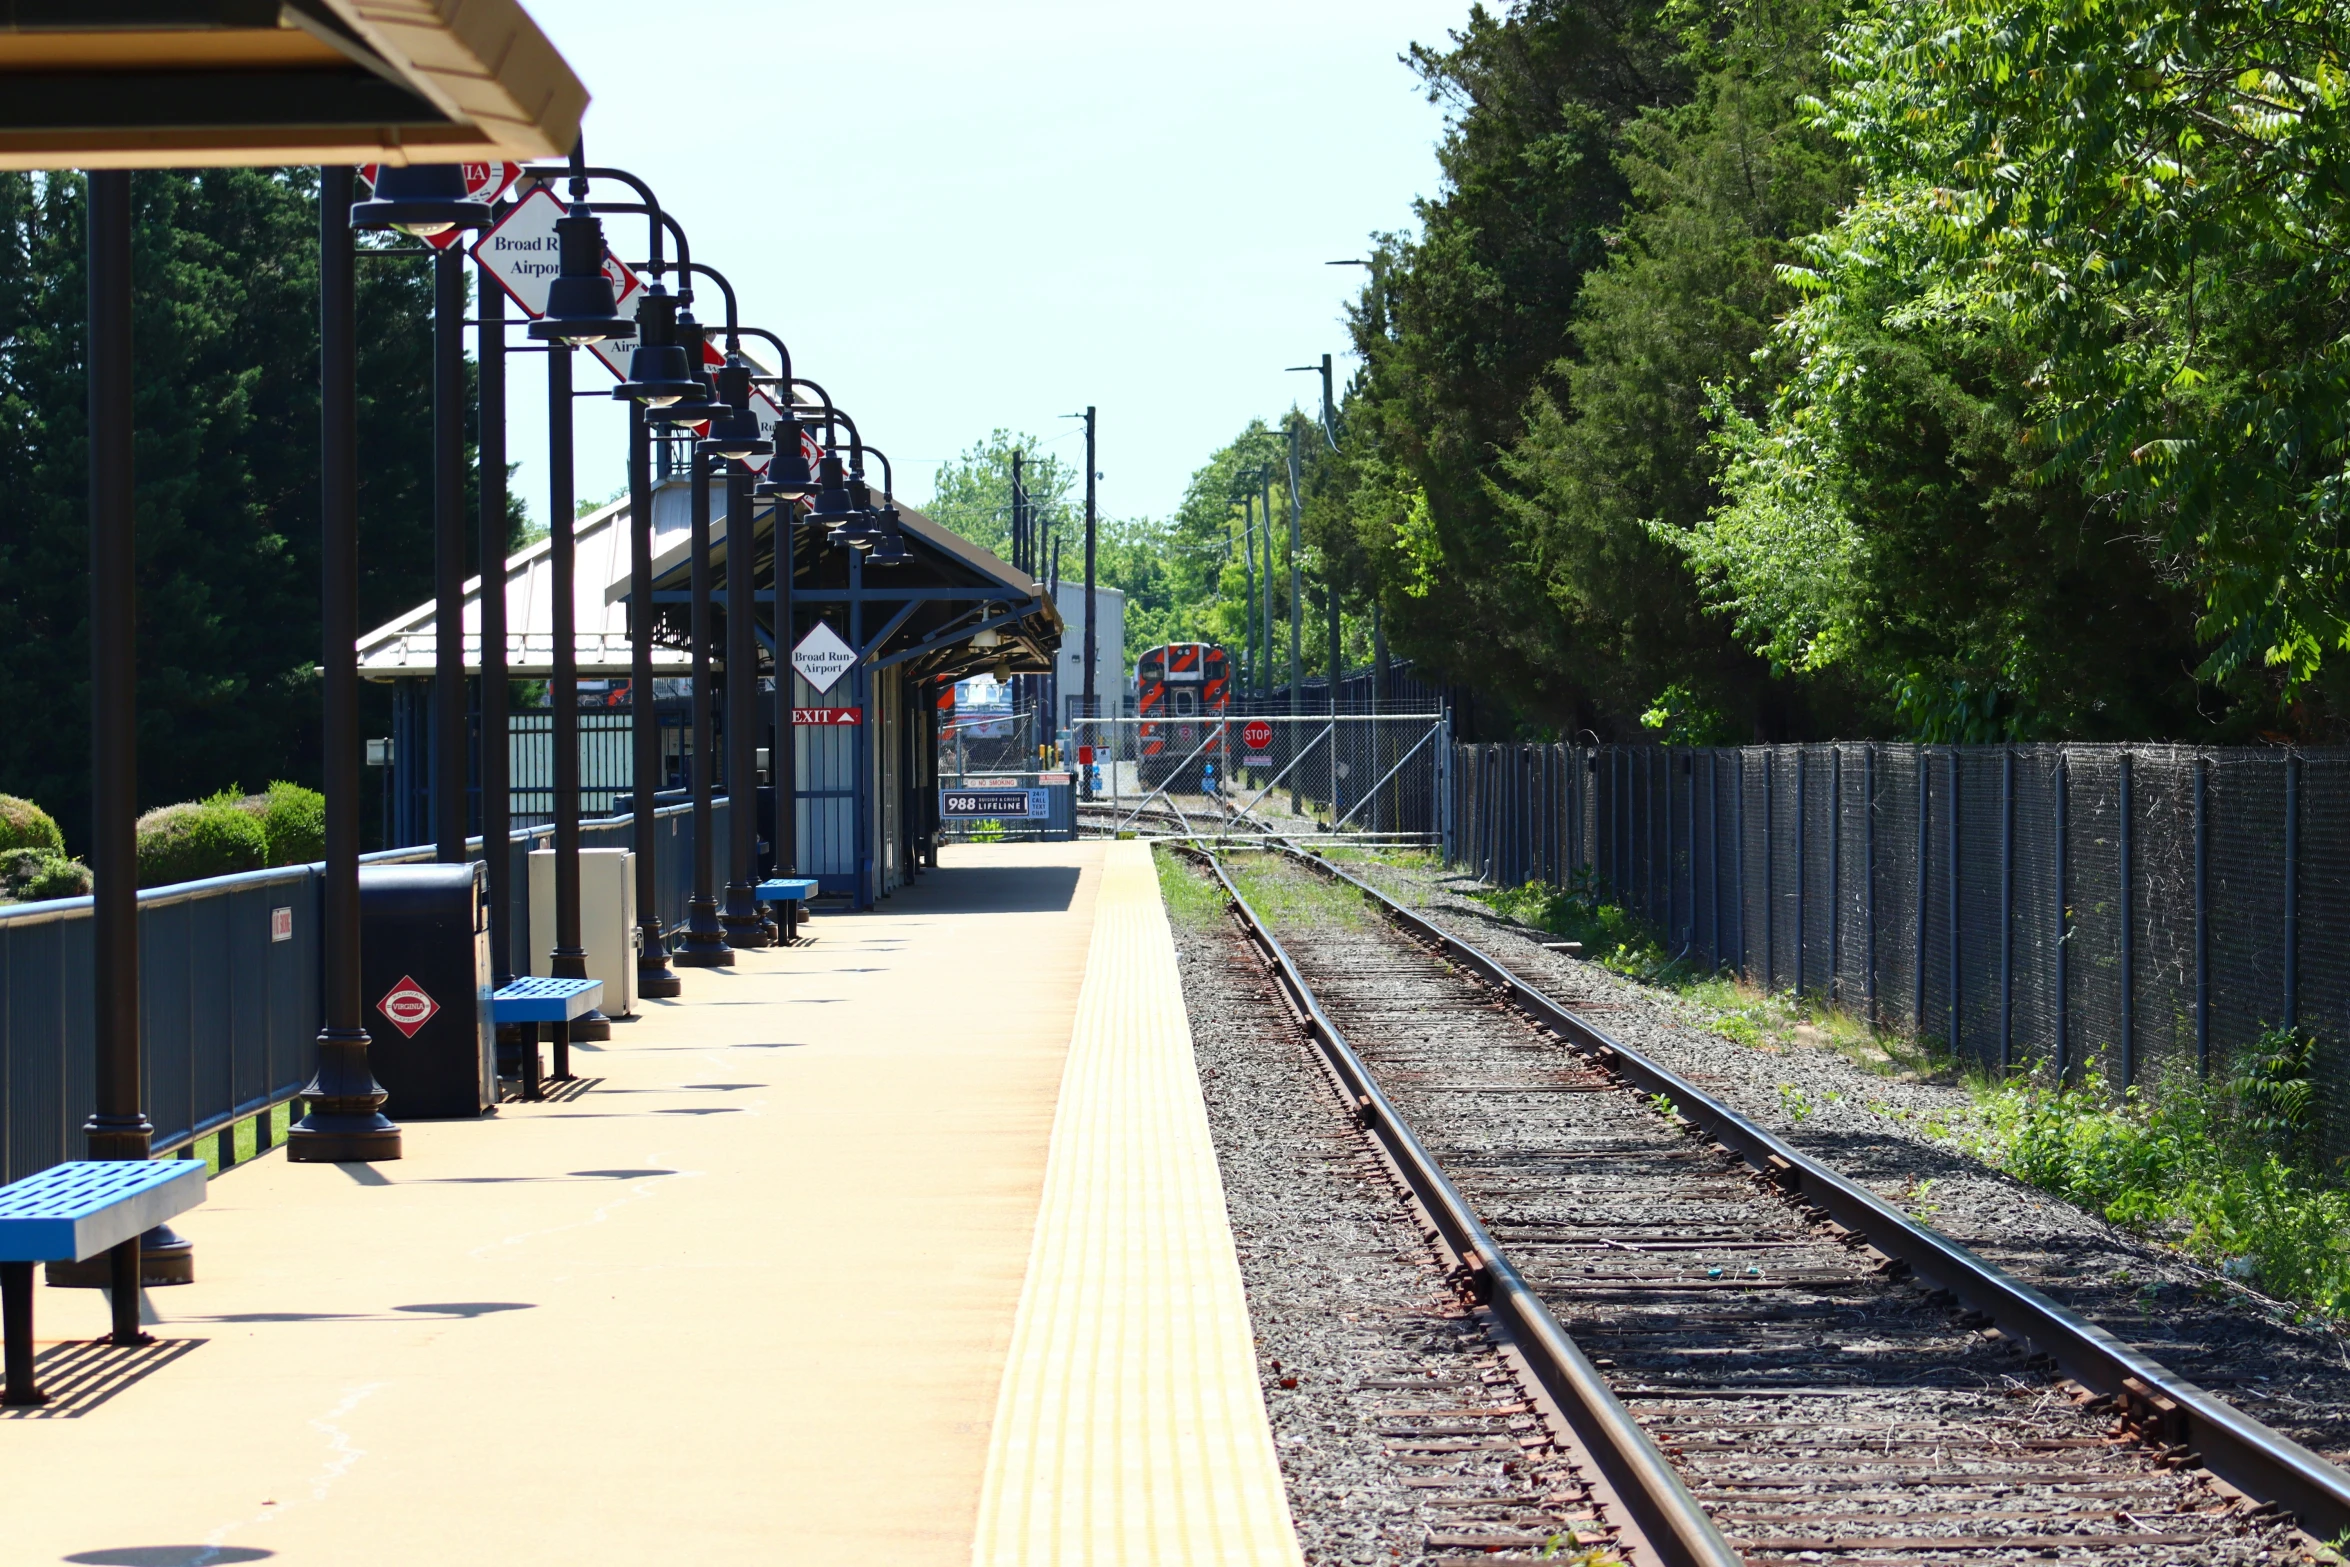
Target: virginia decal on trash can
408	1007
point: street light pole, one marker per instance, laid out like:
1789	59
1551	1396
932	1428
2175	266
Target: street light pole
653	977
1091	525
740	918
346	1122
567	959
705	940
448	553
1265	514
1296	618
496	800
119	1129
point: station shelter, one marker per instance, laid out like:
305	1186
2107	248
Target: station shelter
861	798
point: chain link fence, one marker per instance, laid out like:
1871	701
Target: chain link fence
1360	774
2117	910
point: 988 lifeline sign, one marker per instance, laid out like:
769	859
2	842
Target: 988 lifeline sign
992	802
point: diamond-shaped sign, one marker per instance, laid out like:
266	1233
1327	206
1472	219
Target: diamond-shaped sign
822	658
407	1006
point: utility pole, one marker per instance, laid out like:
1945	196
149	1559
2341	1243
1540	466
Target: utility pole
1296	616
1248	569
1265	511
1019	563
1019	518
1092	710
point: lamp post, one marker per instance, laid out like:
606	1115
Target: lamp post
428	201
345	1123
654	980
788	482
119	1129
580	310
496	796
734	437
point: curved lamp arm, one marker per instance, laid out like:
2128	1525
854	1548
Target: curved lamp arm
889	486
734	331
580	172
785	379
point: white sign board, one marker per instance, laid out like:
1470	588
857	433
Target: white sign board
524	254
822	658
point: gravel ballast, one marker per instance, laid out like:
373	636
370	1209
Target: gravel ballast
1874	1129
1374	1374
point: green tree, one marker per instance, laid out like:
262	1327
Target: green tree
225	341
972	496
2059	427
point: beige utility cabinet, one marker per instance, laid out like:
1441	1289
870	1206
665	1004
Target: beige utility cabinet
607	920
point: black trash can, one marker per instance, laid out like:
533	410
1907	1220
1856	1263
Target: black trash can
424	966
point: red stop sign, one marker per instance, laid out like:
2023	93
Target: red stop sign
1256	734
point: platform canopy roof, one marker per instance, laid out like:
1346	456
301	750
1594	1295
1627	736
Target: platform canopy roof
970	584
923	612
140	83
406	645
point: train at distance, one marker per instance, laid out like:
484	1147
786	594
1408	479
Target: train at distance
1182	695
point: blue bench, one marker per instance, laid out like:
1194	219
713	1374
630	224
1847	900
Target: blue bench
536	999
789	892
72	1212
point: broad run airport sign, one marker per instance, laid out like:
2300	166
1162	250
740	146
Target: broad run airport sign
822	658
522	252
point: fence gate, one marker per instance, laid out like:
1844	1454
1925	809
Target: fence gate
1362	775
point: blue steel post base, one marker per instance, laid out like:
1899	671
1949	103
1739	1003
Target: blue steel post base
654	982
745	926
165	1257
571	963
705	940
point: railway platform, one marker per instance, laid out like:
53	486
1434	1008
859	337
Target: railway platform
903	1246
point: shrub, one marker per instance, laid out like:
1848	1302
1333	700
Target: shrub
24	825
31	875
2224	1167
196	839
293	821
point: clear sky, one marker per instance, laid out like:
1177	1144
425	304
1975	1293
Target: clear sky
964	216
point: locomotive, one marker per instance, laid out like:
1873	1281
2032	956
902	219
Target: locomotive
1181	695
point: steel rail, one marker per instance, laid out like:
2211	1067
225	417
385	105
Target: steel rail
1668	1520
2263	1463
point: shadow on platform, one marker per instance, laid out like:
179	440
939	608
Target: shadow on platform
987	889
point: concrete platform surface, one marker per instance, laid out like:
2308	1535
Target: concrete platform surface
747	1299
1132	1427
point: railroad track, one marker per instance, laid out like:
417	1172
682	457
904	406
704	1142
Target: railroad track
1761	1362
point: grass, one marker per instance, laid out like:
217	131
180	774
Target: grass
1735	1008
1397	855
1285	894
247	1138
2226	1169
1192	897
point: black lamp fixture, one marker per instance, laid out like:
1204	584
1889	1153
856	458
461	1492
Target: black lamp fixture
832	507
702	402
861	529
658	375
423	199
734	432
789	477
888	543
580	306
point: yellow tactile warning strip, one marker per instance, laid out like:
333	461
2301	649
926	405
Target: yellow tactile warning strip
1130	1429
